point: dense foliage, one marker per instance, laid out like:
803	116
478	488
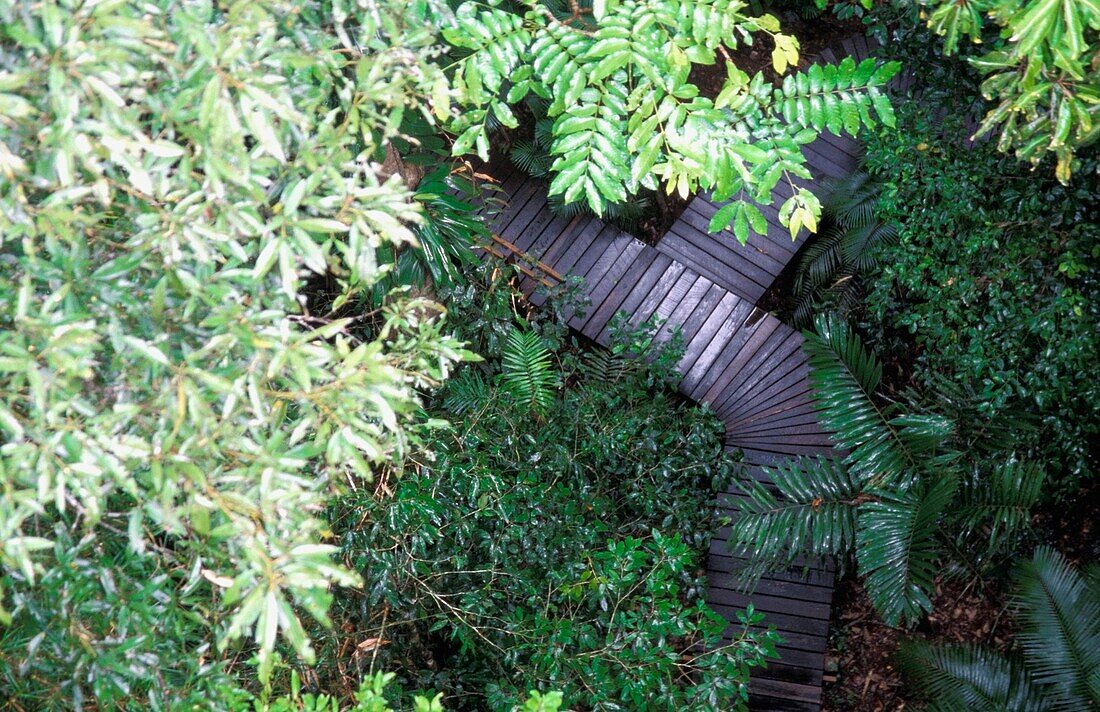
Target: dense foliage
626	116
554	540
1037	59
1057	609
992	283
833	271
918	494
173	412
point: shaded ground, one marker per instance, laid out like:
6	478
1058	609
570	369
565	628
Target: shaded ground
859	672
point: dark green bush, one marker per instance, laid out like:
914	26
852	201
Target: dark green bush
993	282
554	541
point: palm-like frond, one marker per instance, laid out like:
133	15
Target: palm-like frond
844	250
885	448
966	677
527	370
813	510
1059	616
466	392
998	504
603	367
531	158
897	550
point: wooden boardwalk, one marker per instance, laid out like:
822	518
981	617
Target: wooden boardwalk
745	364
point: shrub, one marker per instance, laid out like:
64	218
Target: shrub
174	413
555	540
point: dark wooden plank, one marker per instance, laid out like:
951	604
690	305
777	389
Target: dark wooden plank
647	286
666	288
779	449
720	560
719	369
536	211
726	386
773	587
625	252
728	277
577	247
767	366
709	339
752	336
805	419
564	240
793	373
618	292
770	604
777	671
702	311
598	250
798	399
697	288
764	357
806	628
785	689
752	251
714	252
725	339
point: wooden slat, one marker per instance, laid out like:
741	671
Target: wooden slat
618	292
709	339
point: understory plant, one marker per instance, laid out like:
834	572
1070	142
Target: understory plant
837	262
992	282
1056	610
553	541
174	413
914	497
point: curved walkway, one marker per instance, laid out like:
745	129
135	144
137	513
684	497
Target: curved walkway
741	361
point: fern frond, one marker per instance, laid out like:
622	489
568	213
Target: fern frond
884	448
466	392
1059	617
897	552
603	367
967	677
813	512
531	159
527	370
999	504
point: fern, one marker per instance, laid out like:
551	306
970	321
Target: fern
813	510
531	158
1057	610
897	550
527	370
833	265
885	447
998	504
967	677
603	367
1059	614
466	392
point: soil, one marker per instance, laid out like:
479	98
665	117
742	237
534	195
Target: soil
860	674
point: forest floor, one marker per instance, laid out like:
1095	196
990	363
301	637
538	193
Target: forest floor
860	675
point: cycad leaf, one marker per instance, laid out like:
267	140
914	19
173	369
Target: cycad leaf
812	511
966	677
1059	616
998	504
844	375
527	370
897	551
